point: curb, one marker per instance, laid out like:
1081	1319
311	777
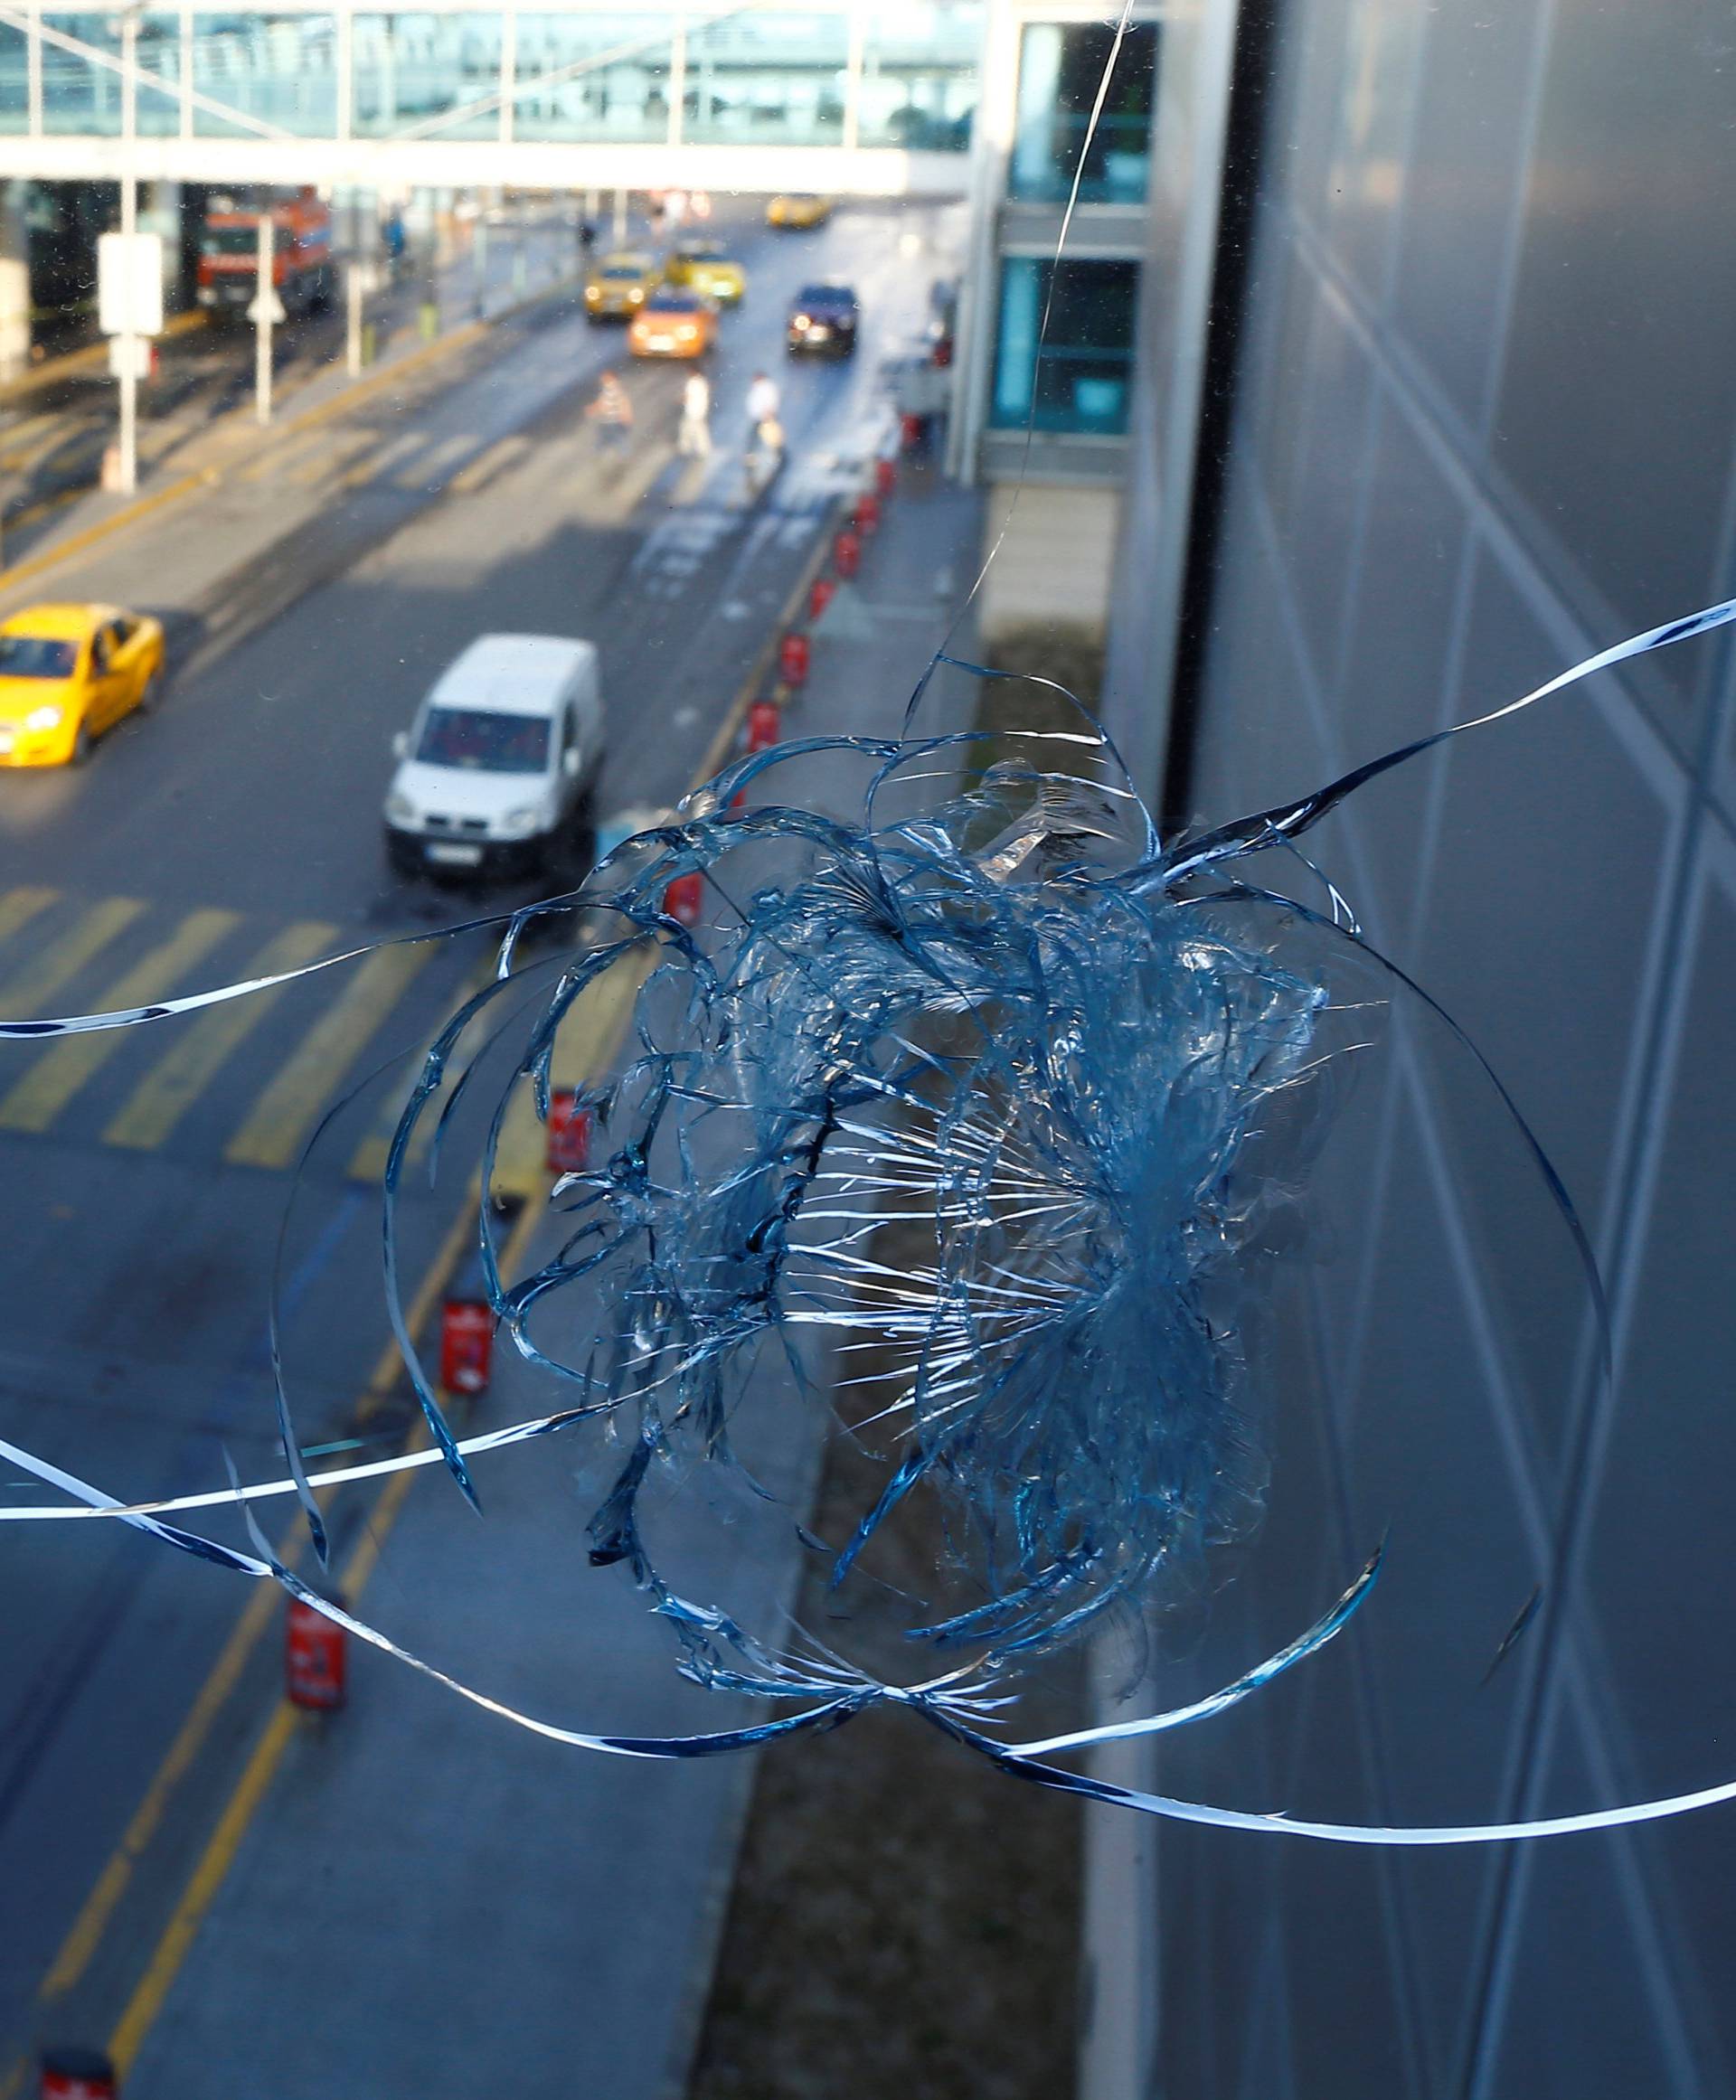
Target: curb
357	390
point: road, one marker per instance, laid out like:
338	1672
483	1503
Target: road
146	1174
55	425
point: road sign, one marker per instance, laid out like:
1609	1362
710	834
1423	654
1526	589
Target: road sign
268	309
137	350
130	284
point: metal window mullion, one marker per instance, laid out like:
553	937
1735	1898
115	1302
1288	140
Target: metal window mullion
346	72
678	80
852	74
34	71
508	74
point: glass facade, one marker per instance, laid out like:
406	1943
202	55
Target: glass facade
15	80
767	80
1061	67
918	77
597	77
435	74
1080	378
751	77
280	68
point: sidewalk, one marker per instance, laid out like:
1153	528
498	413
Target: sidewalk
190	441
429	1901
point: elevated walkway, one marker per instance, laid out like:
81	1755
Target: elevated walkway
846	98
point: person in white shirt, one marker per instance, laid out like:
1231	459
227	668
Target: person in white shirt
762	402
694	439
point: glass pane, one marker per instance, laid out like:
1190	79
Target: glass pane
159	58
918	77
1060	70
593	75
15	80
80	94
427	76
281	69
775	80
1084	371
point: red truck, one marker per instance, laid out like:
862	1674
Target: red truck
301	252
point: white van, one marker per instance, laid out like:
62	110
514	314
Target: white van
501	760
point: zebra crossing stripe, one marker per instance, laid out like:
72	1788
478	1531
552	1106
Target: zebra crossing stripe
19	907
25	996
282	1118
60	1071
170	1088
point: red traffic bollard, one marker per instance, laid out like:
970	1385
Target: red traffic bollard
765	721
77	2075
793	655
820	593
885	478
314	1659
846	553
867	515
568	1136
466	1344
681	899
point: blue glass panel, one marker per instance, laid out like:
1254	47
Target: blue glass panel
280	68
1060	68
593	77
769	79
427	76
15	80
1083	367
80	94
920	66
159	59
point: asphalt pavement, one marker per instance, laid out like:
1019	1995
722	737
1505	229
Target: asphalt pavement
311	593
56	422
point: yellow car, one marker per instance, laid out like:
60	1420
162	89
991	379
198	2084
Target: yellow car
619	285
67	673
707	269
800	213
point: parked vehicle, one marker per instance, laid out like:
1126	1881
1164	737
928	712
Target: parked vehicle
501	761
302	272
70	671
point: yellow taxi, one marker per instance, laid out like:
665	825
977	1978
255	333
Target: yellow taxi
67	673
704	267
800	213
618	285
673	323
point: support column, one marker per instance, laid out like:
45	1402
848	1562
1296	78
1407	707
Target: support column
14	281
678	81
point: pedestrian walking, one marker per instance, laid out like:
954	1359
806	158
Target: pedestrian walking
694	439
612	412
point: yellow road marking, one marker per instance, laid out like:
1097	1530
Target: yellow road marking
147	2001
498	457
87	1928
167	1092
306	1087
368	1161
18	908
24	996
209	1875
82	1941
57	1075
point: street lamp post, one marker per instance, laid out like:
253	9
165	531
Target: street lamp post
264	314
128	350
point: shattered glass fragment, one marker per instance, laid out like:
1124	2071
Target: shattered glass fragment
1087	1066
